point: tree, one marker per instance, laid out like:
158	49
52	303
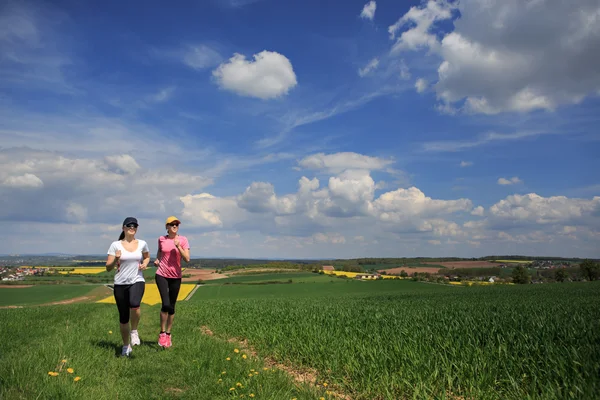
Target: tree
520	275
590	270
561	274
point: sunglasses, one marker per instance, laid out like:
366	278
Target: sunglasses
173	224
134	226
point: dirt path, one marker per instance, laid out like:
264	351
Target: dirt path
301	375
204	274
14	286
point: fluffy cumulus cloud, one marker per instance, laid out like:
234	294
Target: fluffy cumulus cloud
48	187
345	211
338	162
511	181
546	210
345	207
270	75
368	11
507	55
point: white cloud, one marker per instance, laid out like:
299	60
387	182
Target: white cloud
71	189
368	11
421	19
466	163
368	68
122	163
270	75
478	211
497	60
421	85
23	181
201	57
338	162
533	208
511	181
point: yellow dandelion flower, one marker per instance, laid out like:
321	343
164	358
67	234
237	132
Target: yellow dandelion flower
110	332
325	384
265	368
51	373
77	378
223	373
220	380
64	361
250	375
252	370
321	398
231	389
70	370
244	356
251	395
228	358
256	373
236	351
238	384
328	392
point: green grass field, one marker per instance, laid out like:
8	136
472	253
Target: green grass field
41	294
370	340
296	277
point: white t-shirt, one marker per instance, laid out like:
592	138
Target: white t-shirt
128	272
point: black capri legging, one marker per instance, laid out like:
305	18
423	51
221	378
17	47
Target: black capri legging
127	297
169	290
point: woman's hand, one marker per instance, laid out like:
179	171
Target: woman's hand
117	255
157	263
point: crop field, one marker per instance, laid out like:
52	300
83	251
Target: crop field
152	296
86	270
514	261
41	294
283	277
404	339
385	339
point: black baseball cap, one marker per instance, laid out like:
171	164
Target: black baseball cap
130	220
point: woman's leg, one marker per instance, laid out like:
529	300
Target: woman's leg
163	289
136	292
174	286
121	294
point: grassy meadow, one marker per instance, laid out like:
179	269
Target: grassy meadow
365	340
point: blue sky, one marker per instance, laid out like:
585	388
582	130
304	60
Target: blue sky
302	129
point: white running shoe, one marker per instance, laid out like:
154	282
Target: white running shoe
126	351
134	338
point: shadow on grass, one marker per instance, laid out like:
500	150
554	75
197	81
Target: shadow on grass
105	344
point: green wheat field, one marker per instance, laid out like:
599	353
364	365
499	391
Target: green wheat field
347	339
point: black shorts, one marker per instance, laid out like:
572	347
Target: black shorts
128	296
169	290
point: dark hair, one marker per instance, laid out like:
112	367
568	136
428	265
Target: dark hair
122	235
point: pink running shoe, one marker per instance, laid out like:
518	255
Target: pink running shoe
168	341
162	340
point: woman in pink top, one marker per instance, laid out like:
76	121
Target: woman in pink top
172	247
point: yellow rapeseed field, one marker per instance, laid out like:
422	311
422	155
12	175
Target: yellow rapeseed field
84	271
152	296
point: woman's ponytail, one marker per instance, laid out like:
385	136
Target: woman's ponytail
122	236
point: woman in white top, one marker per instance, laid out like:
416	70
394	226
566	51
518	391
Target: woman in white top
131	256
